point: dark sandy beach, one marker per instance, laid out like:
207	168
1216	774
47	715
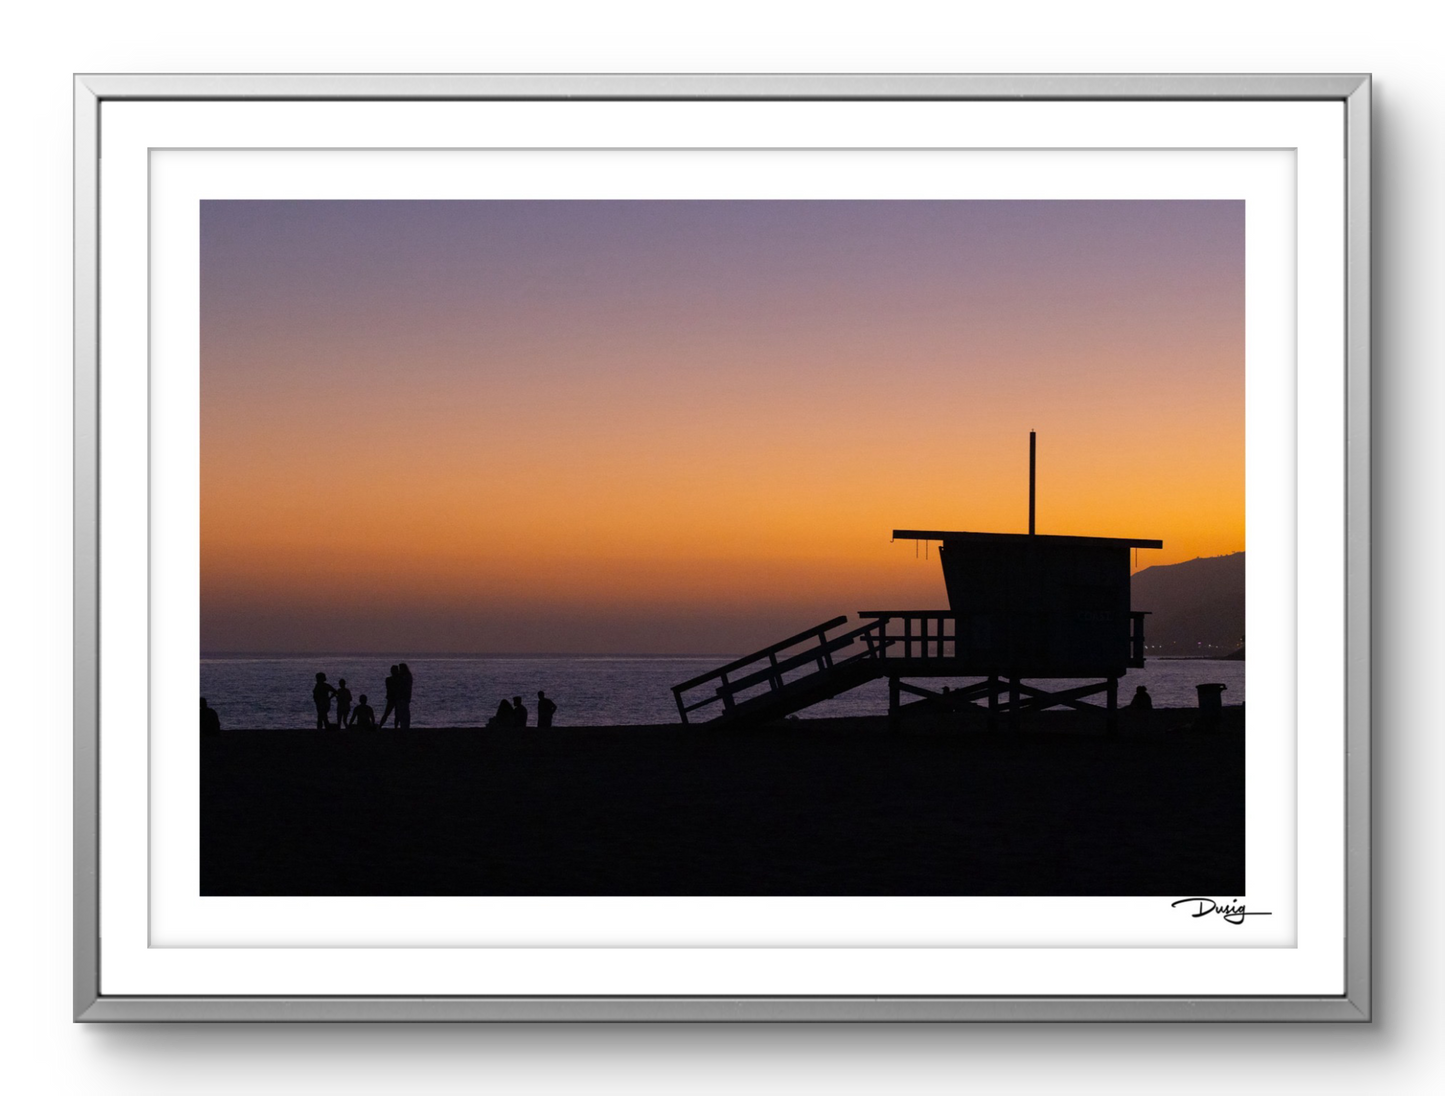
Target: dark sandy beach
810	807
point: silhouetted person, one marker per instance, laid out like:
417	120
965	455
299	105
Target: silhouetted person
403	696
343	702
1142	700
519	712
545	710
322	694
364	718
210	721
392	683
503	718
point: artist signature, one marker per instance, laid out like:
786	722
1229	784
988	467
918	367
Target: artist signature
1233	912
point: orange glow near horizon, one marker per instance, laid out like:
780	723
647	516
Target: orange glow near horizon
613	451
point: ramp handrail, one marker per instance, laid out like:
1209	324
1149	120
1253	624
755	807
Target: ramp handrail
820	652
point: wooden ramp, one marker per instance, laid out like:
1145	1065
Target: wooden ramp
786	677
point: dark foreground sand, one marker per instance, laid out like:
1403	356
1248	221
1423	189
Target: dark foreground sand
812	807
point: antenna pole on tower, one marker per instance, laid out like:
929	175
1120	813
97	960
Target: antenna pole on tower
1032	465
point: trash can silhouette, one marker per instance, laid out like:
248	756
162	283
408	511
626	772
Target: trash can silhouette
1211	703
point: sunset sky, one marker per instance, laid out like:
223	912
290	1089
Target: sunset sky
568	426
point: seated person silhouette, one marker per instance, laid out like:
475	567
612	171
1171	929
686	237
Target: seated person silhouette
210	721
1142	700
363	717
519	712
503	718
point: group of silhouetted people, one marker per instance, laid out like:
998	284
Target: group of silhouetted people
515	713
398	700
363	716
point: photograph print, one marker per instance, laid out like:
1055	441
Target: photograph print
722	548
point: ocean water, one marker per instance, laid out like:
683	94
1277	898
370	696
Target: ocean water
589	690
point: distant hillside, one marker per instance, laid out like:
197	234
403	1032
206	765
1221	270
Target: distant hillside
1197	606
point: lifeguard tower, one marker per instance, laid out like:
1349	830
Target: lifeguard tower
1021	607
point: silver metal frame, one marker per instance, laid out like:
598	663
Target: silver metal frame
1353	91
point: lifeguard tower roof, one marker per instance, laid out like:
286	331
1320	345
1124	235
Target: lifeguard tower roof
1007	538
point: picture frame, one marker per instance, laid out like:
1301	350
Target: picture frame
93	93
